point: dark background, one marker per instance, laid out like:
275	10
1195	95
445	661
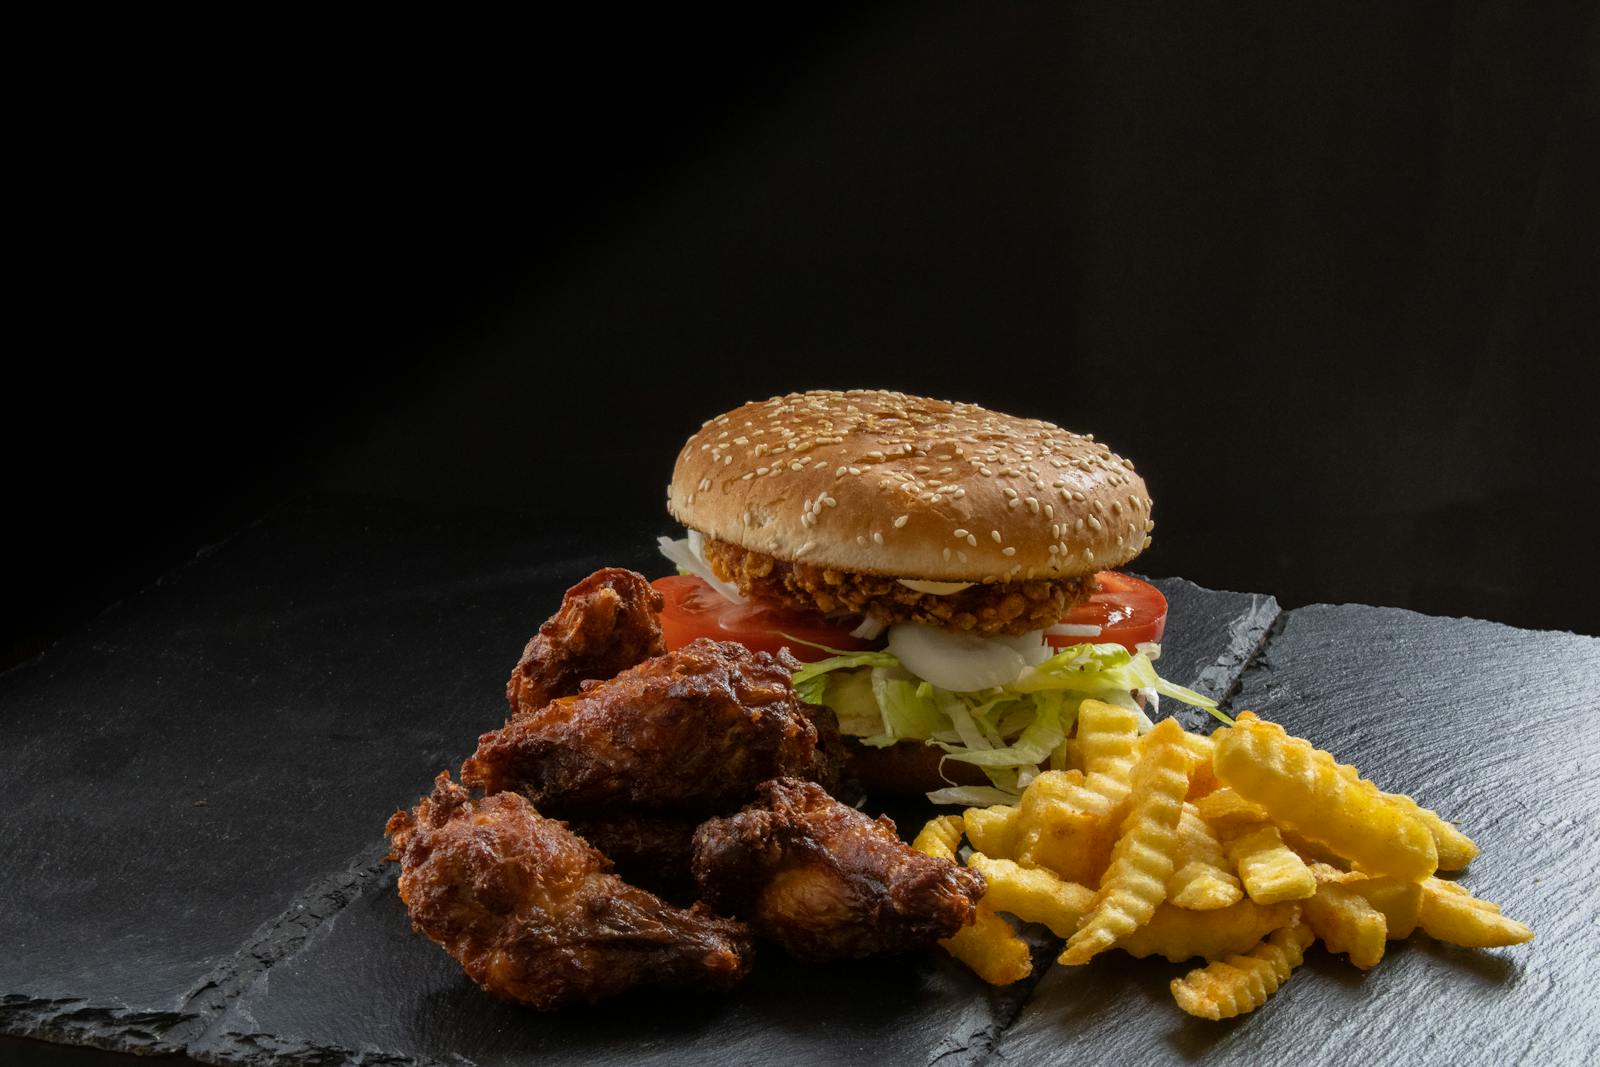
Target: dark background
1328	276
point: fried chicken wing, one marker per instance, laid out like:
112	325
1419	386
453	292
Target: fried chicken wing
826	881
690	732
647	848
532	913
607	623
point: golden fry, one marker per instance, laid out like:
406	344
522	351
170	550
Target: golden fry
1400	902
1033	896
940	837
1203	781
1450	913
1455	848
1202	878
991	830
1302	788
1346	922
1064	826
1242	984
1142	860
991	948
1226	810
1179	934
1107	737
1269	869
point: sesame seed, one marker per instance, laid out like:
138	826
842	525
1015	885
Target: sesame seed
1049	511
840	472
1012	493
860	540
762	470
901	521
1008	551
960	534
972	539
996	535
947	555
727	460
747	475
877	538
1014	503
962	556
1094	523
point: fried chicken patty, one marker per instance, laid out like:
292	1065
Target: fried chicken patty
994	608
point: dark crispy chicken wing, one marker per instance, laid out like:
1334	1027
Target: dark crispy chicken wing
690	732
533	914
826	881
606	624
649	849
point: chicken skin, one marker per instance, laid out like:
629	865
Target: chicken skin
648	849
690	732
533	913
606	624
826	881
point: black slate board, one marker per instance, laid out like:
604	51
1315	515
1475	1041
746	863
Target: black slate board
198	781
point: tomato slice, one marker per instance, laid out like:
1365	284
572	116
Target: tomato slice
693	609
1128	611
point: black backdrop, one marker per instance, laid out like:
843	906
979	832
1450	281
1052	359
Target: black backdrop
1327	274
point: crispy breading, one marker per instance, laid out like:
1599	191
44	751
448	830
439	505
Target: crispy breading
987	608
606	623
826	881
533	913
690	732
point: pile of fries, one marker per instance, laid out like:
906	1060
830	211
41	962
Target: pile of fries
1241	848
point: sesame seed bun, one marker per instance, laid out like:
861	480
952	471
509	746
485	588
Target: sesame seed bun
902	486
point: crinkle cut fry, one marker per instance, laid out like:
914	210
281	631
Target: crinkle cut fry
1033	895
1202	879
1345	920
1450	913
1455	848
992	830
1270	870
940	837
1303	789
1108	736
989	946
1142	860
1242	984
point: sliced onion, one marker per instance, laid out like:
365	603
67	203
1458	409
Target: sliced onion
962	663
686	554
934	588
870	629
1072	629
1031	645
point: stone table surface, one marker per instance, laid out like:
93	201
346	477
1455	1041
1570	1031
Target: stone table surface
197	784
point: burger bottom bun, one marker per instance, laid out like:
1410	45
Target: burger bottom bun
909	768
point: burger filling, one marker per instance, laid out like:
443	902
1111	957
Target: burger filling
994	608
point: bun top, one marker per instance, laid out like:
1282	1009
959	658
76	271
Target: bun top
903	486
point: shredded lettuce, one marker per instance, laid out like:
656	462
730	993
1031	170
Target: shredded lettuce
1007	731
